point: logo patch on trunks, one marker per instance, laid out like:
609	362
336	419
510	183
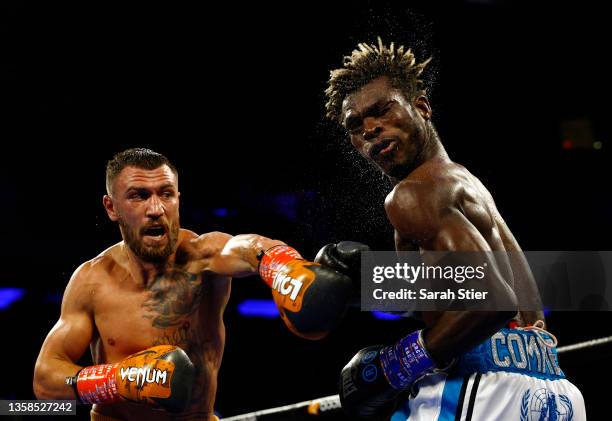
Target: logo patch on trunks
544	405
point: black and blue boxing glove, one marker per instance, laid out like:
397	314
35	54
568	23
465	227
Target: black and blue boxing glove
372	381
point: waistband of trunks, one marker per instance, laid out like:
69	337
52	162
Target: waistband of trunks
520	351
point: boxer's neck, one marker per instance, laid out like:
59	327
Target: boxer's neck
143	272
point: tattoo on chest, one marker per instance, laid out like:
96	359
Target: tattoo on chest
174	297
188	339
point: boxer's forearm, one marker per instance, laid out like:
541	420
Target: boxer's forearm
240	256
452	333
50	378
456	332
526	290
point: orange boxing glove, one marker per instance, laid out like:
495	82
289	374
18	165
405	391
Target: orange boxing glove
311	298
160	376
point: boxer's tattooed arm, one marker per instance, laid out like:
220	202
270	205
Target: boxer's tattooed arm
174	296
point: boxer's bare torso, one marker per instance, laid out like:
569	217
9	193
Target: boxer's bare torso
160	285
436	205
441	196
181	305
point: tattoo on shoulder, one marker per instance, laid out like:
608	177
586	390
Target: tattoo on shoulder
174	295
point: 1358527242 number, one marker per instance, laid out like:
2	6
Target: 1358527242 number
37	407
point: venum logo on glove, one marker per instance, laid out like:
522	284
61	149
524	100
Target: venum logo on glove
160	376
140	375
143	377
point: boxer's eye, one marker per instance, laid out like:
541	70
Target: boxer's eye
382	110
352	125
138	195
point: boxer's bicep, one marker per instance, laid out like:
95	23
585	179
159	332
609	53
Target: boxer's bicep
71	335
455	232
207	248
66	342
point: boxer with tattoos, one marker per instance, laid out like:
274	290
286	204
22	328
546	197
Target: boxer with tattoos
150	308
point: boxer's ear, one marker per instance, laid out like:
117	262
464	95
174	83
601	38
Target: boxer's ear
107	201
422	106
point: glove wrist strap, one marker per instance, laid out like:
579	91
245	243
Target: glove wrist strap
72	382
274	260
406	361
97	384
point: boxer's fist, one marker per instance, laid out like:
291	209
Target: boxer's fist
365	394
374	378
160	376
311	298
345	257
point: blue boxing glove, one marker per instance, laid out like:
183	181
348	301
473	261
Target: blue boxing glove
374	378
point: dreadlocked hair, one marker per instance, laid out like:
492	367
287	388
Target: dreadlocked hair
369	62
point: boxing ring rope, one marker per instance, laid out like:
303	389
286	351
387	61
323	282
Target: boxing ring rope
586	344
310	408
331	404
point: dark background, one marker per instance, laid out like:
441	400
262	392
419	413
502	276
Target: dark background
233	96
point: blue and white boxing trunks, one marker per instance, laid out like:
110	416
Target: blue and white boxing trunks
513	375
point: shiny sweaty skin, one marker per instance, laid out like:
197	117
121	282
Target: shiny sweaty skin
118	303
456	212
182	307
437	205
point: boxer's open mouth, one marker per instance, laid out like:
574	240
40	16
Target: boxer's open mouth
154	231
382	148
